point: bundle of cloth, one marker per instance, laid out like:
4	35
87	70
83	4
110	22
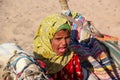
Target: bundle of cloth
100	51
17	64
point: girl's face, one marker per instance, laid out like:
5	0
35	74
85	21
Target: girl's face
60	42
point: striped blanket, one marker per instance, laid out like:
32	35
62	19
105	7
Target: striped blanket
107	67
113	48
99	56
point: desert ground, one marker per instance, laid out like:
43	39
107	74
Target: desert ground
19	19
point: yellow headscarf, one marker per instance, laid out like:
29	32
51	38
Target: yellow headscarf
42	46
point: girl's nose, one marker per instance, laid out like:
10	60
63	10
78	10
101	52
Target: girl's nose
64	42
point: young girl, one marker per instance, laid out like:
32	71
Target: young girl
51	45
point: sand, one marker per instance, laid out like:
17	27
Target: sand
19	19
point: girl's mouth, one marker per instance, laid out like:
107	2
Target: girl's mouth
62	50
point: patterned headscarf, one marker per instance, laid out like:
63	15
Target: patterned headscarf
42	45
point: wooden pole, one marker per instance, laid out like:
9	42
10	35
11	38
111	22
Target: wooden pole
64	7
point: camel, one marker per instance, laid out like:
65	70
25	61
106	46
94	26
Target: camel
17	64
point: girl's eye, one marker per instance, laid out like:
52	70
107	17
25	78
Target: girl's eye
67	37
58	39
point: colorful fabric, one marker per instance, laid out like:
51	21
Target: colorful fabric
94	56
42	45
108	38
112	46
83	31
72	71
92	53
114	51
